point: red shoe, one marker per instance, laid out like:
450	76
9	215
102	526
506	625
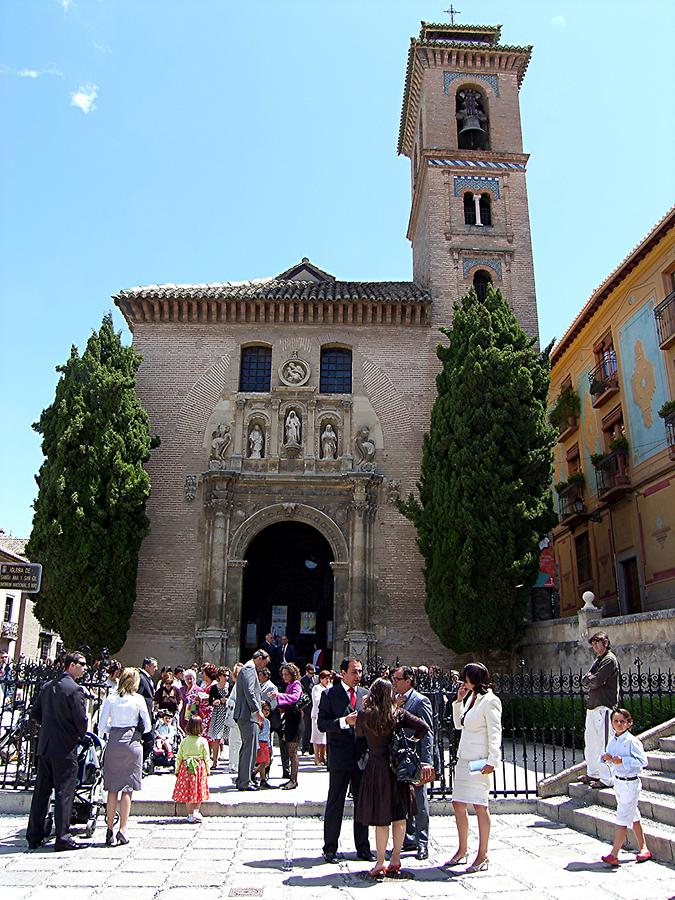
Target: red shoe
378	872
643	857
393	871
611	860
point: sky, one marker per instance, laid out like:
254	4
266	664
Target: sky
154	141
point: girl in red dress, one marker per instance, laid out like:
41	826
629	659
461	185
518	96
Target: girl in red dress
193	764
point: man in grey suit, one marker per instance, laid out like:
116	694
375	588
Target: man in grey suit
248	716
417	826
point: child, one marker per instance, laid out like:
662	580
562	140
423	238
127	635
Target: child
263	756
164	736
626	756
193	764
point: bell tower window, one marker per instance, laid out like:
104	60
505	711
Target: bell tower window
469	209
477	209
481	280
484	210
472	120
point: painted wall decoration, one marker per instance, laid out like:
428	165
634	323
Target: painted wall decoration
645	386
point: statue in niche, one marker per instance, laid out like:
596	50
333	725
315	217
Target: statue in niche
365	446
328	443
292	426
256	440
220	441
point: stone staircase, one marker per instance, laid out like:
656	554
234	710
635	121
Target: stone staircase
593	811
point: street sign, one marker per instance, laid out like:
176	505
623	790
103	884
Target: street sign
24	577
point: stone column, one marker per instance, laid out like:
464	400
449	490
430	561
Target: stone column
476	203
309	432
357	636
273	450
345	439
212	637
587	614
233	600
340	607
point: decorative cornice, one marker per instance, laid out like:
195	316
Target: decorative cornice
476	183
449	77
447	162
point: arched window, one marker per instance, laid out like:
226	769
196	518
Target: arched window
336	371
481	280
473	131
485	210
255	374
469	209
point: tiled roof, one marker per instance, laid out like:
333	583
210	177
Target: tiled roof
613	280
14	545
282	290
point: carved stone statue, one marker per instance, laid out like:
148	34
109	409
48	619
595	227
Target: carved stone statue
292	428
256	441
365	446
220	441
328	443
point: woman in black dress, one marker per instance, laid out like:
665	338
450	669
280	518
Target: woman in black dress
382	800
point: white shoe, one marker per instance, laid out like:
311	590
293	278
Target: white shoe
196	817
191	819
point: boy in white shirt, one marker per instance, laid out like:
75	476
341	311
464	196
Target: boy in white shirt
165	734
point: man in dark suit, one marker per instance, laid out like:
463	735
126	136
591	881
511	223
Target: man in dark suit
146	686
337	716
60	708
417	826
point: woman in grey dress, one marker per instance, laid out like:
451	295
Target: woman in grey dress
124	719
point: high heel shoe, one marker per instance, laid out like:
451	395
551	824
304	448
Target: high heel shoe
289	786
109	837
377	872
456	860
477	867
393	870
121	839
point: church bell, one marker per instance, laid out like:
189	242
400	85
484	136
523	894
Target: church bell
471	128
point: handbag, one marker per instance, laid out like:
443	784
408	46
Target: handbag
403	759
303	701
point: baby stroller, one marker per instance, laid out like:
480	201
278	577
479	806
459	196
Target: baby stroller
88	788
160	758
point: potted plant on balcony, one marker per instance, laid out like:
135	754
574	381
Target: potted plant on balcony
577	478
597	459
560	487
619	445
597	386
565	409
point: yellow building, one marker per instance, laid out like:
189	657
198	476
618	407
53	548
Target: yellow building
612	373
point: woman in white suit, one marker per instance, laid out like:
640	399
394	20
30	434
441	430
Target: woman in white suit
478	713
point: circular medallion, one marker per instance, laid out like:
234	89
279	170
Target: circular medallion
294	372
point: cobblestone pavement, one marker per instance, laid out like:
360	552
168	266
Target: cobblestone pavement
280	859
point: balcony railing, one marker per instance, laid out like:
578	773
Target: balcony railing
611	475
604	378
669	422
9	630
664	314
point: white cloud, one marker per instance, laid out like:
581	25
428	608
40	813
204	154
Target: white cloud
31	73
85	97
28	73
558	21
66	4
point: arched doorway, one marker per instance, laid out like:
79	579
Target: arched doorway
288	589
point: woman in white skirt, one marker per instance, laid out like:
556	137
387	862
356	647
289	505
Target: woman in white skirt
318	738
124	719
477	712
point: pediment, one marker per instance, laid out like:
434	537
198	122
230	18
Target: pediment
305	271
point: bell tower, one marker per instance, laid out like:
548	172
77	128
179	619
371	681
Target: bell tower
460	127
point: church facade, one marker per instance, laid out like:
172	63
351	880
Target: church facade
292	409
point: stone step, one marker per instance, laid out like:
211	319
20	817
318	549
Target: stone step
659	782
659	807
660	760
599	822
667	744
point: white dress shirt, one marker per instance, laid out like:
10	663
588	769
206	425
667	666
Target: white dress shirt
123	712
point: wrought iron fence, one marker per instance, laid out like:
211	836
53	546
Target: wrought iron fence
19	686
543	720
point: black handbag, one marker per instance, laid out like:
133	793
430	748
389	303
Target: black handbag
403	759
303	701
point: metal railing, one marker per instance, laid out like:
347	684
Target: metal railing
612	472
543	722
604	376
19	686
664	315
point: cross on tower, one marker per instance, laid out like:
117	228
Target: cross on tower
452	12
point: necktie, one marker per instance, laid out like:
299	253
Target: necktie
352	698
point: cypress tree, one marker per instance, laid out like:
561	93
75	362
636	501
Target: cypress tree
90	518
484	491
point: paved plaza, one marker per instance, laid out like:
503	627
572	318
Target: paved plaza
278	858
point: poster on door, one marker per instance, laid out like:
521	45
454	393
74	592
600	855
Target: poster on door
307	623
279	617
251	634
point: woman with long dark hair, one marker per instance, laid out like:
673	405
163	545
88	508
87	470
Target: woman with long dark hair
383	801
477	712
287	701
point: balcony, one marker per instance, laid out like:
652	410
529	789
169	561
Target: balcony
9	630
611	476
669	422
604	379
664	314
571	507
565	412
